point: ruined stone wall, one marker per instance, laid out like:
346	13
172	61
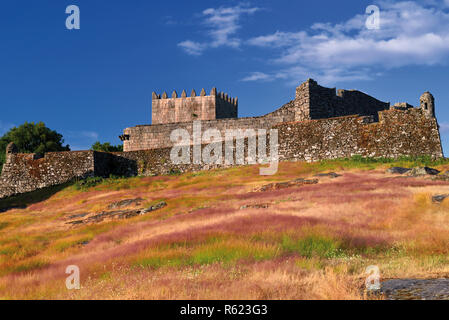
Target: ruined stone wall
187	109
29	172
316	102
26	172
398	133
312	102
320	123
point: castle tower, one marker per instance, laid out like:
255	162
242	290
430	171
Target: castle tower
179	109
10	149
427	102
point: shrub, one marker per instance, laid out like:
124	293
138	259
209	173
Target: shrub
88	183
106	147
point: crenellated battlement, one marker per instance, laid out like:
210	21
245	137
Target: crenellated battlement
183	108
213	93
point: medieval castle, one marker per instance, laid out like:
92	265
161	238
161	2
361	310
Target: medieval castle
320	123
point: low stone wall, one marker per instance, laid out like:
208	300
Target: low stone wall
26	172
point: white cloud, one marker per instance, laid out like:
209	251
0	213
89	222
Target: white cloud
223	24
411	33
170	21
257	76
192	48
278	39
89	135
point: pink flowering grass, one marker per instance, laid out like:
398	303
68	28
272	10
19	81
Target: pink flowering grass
223	240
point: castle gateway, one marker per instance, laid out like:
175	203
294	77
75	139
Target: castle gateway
320	123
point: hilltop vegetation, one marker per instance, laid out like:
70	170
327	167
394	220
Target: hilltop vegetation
217	238
32	137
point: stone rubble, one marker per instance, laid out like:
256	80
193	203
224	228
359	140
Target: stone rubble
111	215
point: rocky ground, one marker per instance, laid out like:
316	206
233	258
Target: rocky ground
416	289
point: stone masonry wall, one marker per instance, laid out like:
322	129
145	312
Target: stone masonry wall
399	132
320	123
187	109
316	102
158	136
312	102
25	173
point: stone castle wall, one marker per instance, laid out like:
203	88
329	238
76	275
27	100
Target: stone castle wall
158	136
27	172
312	102
316	102
307	126
187	109
398	133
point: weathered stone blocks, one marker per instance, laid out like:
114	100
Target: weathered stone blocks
185	109
320	123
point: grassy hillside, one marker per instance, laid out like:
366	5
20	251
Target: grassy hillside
217	238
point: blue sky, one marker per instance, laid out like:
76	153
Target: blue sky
90	84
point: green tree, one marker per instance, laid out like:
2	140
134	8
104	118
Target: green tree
32	137
106	147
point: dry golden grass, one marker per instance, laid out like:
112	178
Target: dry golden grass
312	242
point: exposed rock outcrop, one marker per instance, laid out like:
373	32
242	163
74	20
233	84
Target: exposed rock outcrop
285	185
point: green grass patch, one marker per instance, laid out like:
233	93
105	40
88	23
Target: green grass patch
371	163
63	245
7	250
210	251
29	266
106	276
228	253
313	246
4	225
112	183
159	262
310	264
